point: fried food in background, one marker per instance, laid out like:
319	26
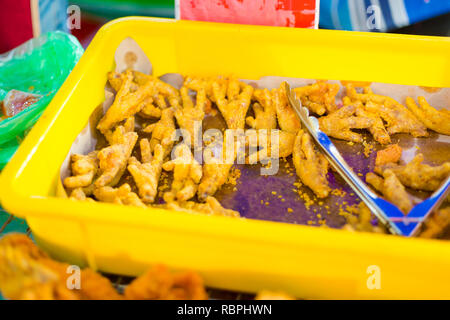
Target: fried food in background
273	295
28	273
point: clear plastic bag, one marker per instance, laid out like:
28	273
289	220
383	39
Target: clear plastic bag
39	66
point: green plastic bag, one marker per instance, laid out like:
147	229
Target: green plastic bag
38	66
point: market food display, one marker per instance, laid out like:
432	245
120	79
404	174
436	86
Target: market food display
143	163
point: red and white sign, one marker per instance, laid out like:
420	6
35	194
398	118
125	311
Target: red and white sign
281	13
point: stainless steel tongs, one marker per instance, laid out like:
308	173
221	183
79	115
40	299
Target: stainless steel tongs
386	212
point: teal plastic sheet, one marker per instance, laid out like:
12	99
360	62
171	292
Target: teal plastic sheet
38	66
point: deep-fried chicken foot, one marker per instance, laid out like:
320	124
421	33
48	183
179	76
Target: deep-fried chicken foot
318	97
233	100
146	174
287	118
122	195
398	118
311	166
187	173
339	123
392	189
126	103
211	207
84	169
163	131
377	128
417	175
264	109
433	119
190	117
217	168
113	159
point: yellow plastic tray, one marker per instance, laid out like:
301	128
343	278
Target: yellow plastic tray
235	254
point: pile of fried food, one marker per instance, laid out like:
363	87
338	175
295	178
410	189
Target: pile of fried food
128	170
28	273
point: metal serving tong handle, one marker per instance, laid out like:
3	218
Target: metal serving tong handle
386	212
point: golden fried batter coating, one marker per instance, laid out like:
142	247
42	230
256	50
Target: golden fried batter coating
84	169
148	108
287	118
122	195
211	207
79	195
339	123
437	120
160	284
392	189
163	131
264	109
187	173
190	117
126	103
391	154
417	175
233	100
113	159
28	273
318	97
311	166
197	84
146	174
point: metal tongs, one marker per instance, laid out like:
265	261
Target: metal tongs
386	212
